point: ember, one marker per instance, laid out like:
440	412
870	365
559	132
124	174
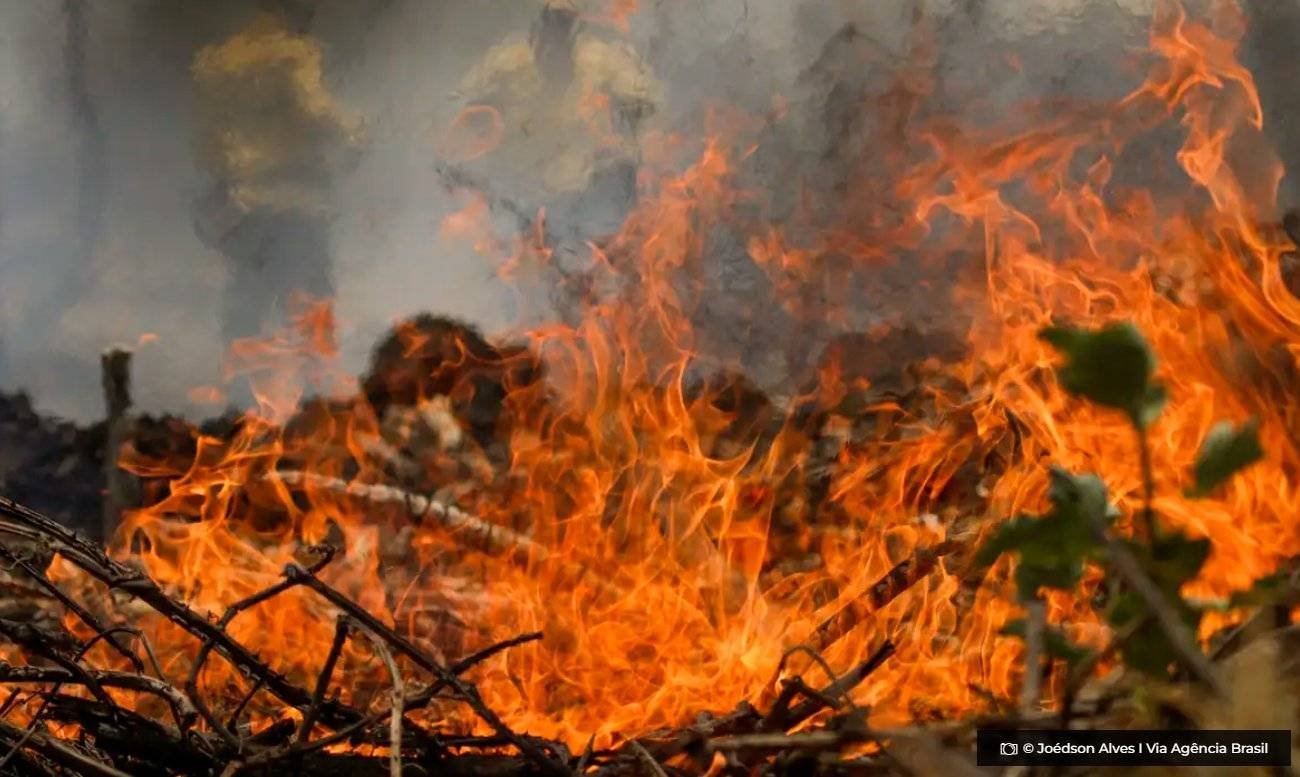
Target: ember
715	518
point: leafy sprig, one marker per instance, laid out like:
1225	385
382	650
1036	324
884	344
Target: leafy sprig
1114	367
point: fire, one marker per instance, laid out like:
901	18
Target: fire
670	550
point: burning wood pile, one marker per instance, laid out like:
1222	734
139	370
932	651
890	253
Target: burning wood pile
610	545
117	739
91	686
94	694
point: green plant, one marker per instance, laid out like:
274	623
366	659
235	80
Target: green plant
1114	367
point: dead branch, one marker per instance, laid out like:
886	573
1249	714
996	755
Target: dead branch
181	707
652	766
323	679
468	693
475	531
901	578
840	687
395	715
192	681
72	606
62	754
92	559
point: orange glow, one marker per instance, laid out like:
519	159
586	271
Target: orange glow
614	13
206	395
658	533
476	131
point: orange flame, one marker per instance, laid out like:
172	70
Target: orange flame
674	554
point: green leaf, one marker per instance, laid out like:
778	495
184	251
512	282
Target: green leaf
1042	569
1111	366
1174	558
1053	549
1009	536
1080	499
1148	649
1148	410
1055	642
1225	451
1049	553
1170	560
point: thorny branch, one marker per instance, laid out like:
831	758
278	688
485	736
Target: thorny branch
745	738
245	751
92	560
187	703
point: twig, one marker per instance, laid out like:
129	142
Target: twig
776	716
29	638
647	760
820	661
323	679
395	713
808	740
9	702
45	702
487	536
182	710
70	604
585	758
192	681
57	752
742	719
92	559
847	682
232	722
140	740
299	749
746	720
422	698
414	701
1176	631
479	656
464	690
829	702
897	580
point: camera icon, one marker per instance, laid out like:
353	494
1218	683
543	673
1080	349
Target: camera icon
1009	748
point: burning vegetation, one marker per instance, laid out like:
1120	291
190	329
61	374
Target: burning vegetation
716	518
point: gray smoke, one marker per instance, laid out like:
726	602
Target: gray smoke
98	171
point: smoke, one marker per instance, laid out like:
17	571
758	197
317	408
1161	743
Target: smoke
99	174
